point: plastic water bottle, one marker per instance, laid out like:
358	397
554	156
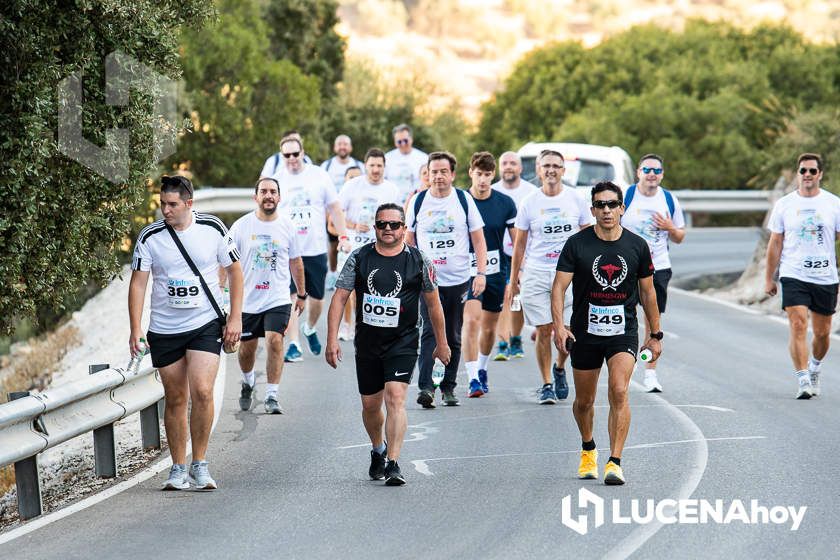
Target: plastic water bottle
645	354
226	300
516	303
133	366
340	260
438	371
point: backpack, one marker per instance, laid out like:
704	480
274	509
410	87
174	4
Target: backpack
669	198
462	198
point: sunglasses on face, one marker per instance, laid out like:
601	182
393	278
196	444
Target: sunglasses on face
601	204
382	224
812	170
654	170
402	142
291	155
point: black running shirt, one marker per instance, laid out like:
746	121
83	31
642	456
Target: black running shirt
387	297
605	285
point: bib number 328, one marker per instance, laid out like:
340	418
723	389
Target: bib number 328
605	320
380	311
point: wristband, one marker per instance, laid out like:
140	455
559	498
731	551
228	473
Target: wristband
481	274
343	238
303	296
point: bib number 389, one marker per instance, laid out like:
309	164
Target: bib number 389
605	320
183	293
380	311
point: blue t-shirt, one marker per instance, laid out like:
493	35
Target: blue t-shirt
498	212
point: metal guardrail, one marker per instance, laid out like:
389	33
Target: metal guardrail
30	424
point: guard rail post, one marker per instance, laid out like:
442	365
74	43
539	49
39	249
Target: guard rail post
104	447
26	479
150	426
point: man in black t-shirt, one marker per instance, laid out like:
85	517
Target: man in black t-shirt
388	277
610	270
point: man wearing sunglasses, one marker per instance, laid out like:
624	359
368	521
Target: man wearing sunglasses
610	270
654	213
306	195
388	277
404	162
274	163
803	228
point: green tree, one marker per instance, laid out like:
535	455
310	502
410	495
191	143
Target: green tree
61	223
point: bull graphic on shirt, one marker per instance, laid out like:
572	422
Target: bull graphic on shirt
615	275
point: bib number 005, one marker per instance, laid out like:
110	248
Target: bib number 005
380	311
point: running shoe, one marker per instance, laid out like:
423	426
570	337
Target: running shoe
547	395
806	390
561	388
588	468
377	465
393	476
293	353
271	405
246	396
332	277
314	343
516	347
502	354
651	382
475	389
449	398
178	479
426	399
482	377
815	382
345	331
613	475
200	476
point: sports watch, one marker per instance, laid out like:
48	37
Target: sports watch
657	335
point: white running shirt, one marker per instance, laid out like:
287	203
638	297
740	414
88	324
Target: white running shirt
304	198
359	200
518	195
809	225
442	234
179	303
404	170
336	170
639	219
550	221
266	248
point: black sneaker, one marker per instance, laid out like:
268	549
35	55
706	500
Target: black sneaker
449	398
426	399
561	387
246	397
393	476
377	465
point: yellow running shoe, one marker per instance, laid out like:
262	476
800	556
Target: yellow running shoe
613	474
588	468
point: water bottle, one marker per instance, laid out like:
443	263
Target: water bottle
516	303
133	367
226	300
340	260
438	371
645	354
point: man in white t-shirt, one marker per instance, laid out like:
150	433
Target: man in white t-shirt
654	213
545	219
511	322
337	165
306	195
186	329
442	221
274	163
803	229
404	161
270	248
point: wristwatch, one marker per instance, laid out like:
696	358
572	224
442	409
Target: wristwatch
657	335
303	296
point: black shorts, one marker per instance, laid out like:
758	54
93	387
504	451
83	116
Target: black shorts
372	372
166	349
315	272
819	298
276	319
661	278
592	355
493	297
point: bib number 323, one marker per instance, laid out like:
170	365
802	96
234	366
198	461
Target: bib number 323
380	311
605	320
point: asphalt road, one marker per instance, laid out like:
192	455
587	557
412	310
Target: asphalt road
487	479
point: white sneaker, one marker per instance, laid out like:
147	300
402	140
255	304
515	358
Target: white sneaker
806	391
815	382
345	331
178	479
652	383
200	476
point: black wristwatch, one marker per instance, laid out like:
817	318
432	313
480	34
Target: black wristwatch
657	335
303	296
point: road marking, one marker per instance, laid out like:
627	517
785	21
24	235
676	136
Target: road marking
425	431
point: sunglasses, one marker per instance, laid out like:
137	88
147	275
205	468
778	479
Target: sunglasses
291	154
382	224
812	170
177	181
654	170
601	204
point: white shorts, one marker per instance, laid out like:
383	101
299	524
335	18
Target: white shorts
536	298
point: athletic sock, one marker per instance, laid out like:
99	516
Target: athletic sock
801	373
482	361
271	389
307	330
650	371
249	377
615	460
814	364
380	449
588	445
472	370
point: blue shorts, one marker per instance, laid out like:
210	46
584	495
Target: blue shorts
315	275
493	297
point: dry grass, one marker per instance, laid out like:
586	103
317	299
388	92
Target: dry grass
7	479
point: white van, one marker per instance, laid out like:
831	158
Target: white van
586	164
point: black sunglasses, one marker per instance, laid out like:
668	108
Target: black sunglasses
655	170
291	154
812	170
402	141
601	204
177	181
382	224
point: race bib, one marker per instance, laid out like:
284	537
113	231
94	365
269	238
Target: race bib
557	232
605	320
301	217
816	266
493	263
441	245
359	238
380	311
183	293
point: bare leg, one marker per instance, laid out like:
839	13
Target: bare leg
315	306
821	325
396	422
293	328
486	339
544	352
620	370
274	358
176	389
798	344
469	332
586	386
201	370
373	417
247	355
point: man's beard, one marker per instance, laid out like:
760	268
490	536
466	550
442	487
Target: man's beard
269	210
